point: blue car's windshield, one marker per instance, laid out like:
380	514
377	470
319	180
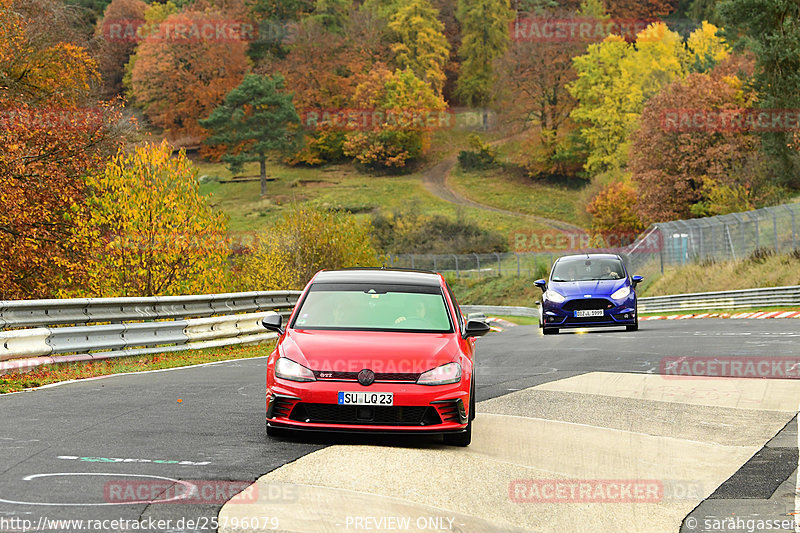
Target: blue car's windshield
583	269
349	306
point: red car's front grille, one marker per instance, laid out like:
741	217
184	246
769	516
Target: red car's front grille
323	375
383	415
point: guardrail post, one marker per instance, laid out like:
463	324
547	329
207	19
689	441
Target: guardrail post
518	273
478	262
499	267
458	274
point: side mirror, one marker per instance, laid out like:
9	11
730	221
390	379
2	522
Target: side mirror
273	323
542	284
476	328
636	280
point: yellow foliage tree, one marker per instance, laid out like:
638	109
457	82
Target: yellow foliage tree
305	241
158	235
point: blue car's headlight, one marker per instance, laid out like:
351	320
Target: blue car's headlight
621	293
553	296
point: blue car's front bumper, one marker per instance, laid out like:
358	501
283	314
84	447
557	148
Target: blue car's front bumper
563	315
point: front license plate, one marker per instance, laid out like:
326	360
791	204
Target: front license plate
366	398
588	312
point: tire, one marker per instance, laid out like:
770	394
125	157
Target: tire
459	439
464	439
635	326
550	331
472	400
275	432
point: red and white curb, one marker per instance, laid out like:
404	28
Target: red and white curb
750	314
498	324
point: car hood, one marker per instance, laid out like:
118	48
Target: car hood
596	288
381	352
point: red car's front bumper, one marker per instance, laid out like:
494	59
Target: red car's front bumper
416	408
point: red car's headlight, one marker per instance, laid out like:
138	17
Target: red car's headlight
441	375
288	369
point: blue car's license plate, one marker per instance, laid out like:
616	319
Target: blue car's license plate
588	312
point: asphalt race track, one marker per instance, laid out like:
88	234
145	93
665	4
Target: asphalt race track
564	424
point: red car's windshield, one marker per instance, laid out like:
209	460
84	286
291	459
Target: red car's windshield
373	307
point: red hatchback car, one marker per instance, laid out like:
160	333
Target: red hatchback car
374	350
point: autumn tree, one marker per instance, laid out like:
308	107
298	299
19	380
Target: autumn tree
421	45
402	111
685	151
332	14
323	70
305	241
616	78
159	235
484	38
613	211
49	139
641	9
771	30
256	119
533	76
117	40
178	78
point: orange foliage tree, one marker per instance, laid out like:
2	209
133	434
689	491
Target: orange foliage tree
117	40
677	162
613	210
179	77
49	139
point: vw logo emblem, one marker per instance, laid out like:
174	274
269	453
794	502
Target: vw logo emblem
366	377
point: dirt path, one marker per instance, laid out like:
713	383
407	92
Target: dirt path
436	180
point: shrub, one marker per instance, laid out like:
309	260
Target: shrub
305	241
411	232
480	157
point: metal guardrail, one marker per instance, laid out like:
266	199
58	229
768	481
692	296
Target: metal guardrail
502	310
132	326
741	299
33	313
766	297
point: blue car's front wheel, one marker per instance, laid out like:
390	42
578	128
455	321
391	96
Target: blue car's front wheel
635	326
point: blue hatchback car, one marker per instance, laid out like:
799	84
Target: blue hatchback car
588	290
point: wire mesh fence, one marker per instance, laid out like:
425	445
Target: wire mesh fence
719	238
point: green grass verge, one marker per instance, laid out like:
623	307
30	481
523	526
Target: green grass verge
48	374
514	192
750	273
335	187
520	320
506	290
721	311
